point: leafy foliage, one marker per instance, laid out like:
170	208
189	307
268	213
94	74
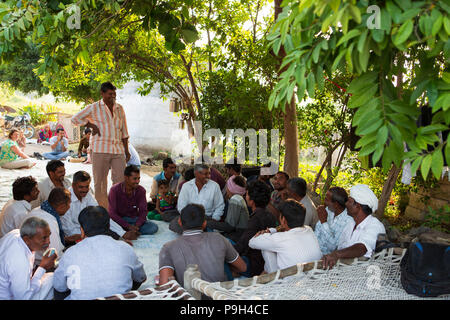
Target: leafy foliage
438	219
230	101
150	42
19	73
412	47
325	120
38	113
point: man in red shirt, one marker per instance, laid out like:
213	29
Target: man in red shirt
128	204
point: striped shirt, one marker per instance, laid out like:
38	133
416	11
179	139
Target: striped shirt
113	128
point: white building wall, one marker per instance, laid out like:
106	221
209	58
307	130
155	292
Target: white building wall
150	124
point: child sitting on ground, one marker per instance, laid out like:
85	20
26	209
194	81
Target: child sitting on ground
165	201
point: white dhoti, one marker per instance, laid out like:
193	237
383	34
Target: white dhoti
46	290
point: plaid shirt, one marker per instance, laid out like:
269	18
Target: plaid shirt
328	233
113	128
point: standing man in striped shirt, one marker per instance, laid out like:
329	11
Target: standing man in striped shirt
109	140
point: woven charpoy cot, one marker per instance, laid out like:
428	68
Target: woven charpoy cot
170	291
377	278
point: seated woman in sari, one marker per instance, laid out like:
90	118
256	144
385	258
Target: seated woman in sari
11	156
45	134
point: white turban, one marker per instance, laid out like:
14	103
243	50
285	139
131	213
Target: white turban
363	195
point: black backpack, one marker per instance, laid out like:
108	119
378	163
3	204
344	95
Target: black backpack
425	269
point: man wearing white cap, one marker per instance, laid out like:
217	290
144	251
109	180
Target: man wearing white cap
360	236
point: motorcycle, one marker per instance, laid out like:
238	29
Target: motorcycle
22	122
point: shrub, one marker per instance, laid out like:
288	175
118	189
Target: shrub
38	113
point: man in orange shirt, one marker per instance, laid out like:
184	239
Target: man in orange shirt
109	141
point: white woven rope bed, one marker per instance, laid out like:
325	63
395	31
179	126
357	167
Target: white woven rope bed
357	279
170	291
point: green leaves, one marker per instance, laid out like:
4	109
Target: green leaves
425	166
403	33
351	34
443	102
437	162
189	33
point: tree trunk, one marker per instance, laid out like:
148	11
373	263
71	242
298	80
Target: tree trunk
190	128
329	179
192	82
387	190
395	171
291	140
333	172
290	120
316	181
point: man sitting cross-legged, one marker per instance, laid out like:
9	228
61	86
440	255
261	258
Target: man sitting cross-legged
82	198
25	191
359	237
57	205
295	243
59	145
333	218
208	250
201	190
170	174
128	204
17	280
98	266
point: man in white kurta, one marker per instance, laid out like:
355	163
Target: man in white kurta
209	196
296	243
55	240
56	178
17	280
12	215
98	266
25	191
70	223
359	237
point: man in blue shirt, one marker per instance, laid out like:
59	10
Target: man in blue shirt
333	218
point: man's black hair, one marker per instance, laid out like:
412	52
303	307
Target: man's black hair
130	169
52	165
192	216
81	176
339	195
107	86
166	162
367	210
235	166
58	196
284	174
94	220
294	213
298	186
23	186
59	129
259	192
189	174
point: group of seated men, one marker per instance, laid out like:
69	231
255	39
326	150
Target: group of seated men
229	228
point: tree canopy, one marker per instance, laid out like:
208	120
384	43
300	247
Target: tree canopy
397	70
147	41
